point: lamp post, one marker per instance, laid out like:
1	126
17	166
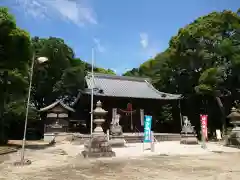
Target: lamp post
91	127
39	60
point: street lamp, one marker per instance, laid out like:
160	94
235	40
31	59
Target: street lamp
91	127
40	60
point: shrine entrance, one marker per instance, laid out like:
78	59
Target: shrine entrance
131	119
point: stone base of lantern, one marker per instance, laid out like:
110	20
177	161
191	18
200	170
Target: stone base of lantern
234	138
188	139
97	147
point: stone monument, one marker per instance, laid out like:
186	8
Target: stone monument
117	139
98	145
233	138
188	135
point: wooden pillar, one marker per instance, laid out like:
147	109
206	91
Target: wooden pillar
180	112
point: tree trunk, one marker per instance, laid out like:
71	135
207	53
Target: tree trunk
221	107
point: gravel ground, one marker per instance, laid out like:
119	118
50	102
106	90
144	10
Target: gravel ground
167	163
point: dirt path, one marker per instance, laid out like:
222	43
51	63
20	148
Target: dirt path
224	166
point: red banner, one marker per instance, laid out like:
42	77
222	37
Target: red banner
204	121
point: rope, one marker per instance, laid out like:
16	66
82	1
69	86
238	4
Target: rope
127	111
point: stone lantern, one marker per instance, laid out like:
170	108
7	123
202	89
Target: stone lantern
99	113
234	136
98	145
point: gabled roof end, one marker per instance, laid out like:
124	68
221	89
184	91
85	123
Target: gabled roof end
55	104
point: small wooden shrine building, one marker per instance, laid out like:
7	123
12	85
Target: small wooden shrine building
130	97
56	117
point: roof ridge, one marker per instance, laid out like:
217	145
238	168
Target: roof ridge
111	76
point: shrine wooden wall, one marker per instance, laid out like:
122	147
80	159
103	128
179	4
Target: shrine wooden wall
151	107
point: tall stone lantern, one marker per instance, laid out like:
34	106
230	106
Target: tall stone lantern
234	136
98	145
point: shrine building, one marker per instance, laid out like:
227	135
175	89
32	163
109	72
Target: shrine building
129	97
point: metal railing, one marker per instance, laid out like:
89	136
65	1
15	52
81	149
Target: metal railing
139	133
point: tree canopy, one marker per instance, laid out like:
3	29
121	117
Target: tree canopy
15	53
61	77
201	60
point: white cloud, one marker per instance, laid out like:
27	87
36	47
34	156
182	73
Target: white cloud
150	49
144	40
100	48
114	70
76	11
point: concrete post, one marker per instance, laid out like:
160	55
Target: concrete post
152	142
108	135
203	139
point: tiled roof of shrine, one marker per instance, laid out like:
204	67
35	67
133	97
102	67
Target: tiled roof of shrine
124	86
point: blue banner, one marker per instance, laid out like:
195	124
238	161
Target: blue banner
147	128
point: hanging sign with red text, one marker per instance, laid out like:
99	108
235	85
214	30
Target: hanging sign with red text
204	121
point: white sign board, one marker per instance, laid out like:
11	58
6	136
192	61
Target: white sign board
218	134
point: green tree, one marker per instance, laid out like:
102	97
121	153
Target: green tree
15	53
62	75
104	71
203	52
202	60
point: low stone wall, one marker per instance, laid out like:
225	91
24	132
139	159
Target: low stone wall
129	137
159	137
134	137
6	150
58	137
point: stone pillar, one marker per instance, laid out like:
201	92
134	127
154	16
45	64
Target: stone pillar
98	145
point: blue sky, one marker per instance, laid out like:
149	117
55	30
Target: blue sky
124	33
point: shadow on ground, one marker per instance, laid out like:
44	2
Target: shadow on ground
33	146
